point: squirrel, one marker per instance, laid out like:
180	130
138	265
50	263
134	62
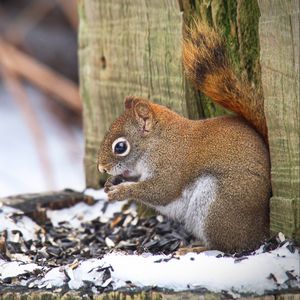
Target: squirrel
212	175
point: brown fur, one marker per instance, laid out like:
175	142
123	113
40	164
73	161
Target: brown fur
207	66
175	151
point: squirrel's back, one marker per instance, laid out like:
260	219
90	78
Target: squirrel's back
223	171
207	66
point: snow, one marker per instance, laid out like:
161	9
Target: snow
22	223
21	169
74	215
188	272
204	270
80	212
97	194
53	278
15	268
258	273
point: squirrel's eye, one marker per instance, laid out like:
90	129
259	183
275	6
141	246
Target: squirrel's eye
120	147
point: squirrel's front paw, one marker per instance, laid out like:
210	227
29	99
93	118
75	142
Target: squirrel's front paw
120	192
112	181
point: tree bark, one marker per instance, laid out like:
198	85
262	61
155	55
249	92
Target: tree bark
279	40
237	21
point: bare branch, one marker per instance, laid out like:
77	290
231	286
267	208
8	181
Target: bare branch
20	96
40	75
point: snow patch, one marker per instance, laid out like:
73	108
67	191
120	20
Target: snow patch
12	219
188	272
10	269
81	212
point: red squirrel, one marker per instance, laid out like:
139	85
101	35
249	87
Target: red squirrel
211	175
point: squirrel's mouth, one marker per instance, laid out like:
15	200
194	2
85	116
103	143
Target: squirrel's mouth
127	176
120	179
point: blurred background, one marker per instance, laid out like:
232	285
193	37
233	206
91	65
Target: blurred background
41	138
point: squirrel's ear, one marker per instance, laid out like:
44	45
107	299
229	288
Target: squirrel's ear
144	116
142	112
129	102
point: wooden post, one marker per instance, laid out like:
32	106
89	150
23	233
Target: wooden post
279	42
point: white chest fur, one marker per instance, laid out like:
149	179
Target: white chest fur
192	207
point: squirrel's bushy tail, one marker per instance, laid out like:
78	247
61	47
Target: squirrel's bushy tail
207	66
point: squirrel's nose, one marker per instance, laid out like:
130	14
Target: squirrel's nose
101	169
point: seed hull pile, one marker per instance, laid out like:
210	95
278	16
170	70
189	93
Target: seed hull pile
83	257
64	244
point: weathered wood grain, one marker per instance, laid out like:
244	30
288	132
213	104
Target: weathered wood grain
279	41
35	205
143	295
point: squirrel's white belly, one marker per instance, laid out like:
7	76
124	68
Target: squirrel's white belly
192	207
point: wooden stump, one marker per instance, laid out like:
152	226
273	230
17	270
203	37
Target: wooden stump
279	41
